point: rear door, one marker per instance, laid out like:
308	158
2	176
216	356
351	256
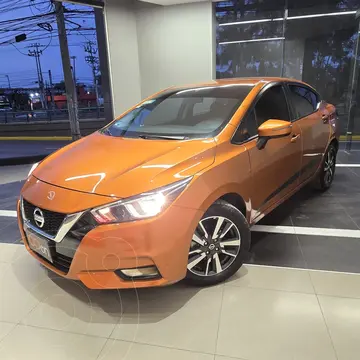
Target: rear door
312	118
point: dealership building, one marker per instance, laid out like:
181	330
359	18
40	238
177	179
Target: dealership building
115	216
152	45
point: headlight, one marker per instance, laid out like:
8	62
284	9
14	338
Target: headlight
33	168
140	207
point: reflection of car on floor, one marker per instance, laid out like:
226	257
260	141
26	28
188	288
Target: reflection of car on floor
170	190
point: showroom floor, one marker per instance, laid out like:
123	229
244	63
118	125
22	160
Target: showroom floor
298	298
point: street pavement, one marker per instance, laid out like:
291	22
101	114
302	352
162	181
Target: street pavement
19	148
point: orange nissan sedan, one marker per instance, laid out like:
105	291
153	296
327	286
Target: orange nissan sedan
170	189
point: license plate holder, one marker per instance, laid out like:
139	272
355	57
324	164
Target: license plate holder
40	245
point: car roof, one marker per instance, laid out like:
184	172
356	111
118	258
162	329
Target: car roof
239	81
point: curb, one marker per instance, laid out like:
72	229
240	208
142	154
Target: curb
23	160
354	137
36	138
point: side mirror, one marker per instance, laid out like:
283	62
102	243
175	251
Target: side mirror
271	129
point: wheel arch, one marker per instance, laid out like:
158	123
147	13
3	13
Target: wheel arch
236	200
334	142
230	194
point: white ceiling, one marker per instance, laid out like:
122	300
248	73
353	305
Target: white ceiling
171	2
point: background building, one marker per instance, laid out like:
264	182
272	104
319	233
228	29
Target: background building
316	42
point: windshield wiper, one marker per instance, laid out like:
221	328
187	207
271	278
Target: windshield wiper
165	137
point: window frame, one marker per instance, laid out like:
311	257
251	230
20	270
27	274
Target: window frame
290	102
253	104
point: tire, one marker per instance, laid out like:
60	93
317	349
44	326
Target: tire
207	262
326	172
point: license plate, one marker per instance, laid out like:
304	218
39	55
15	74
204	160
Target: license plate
40	245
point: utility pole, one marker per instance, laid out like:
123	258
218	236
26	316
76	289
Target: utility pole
8	81
36	53
68	78
103	55
93	61
73	58
51	91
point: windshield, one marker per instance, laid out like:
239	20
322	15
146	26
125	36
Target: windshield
180	114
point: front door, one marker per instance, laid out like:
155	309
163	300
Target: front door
311	115
275	168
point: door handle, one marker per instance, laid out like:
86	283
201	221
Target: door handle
295	138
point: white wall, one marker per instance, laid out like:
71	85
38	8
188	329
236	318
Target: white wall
152	47
175	44
121	30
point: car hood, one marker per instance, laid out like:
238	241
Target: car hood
122	167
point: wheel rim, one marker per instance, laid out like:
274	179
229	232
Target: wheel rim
214	246
329	167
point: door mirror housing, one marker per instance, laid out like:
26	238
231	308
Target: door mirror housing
272	129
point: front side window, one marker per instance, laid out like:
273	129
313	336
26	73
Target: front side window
304	101
247	129
272	105
195	112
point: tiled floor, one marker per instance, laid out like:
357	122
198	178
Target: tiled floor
339	208
262	313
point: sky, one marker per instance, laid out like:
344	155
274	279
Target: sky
14	60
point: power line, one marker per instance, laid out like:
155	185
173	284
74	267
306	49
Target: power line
30	23
9	6
26	18
18	49
12	8
48	6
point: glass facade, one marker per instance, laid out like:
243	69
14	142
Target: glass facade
313	41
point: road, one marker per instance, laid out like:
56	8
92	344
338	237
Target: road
12	149
49	115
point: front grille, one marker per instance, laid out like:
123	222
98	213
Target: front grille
60	261
53	220
63	252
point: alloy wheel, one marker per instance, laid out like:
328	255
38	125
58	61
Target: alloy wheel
214	246
329	167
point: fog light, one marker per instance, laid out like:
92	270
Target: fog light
149	272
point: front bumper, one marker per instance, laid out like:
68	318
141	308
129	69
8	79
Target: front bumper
162	241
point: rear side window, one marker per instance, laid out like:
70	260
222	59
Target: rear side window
304	101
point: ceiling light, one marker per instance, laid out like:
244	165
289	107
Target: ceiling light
251	40
339	13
